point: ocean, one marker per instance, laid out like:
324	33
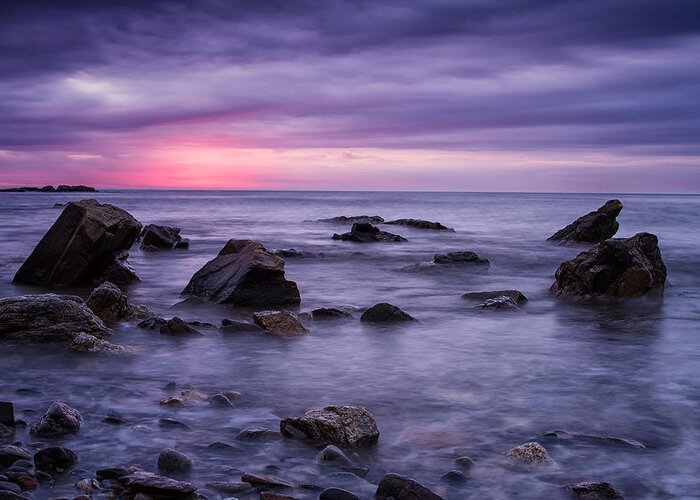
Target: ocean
460	382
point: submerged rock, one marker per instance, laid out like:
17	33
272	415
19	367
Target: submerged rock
154	237
84	342
385	312
244	274
258	434
9	454
55	459
47	318
395	486
80	246
329	313
367	233
593	227
59	420
333	454
420	224
152	322
593	491
342	219
615	268
282	323
174	462
231	326
177	327
349	426
265	480
514	295
120	271
111	304
460	258
561	436
529	455
291	253
337	494
157	486
501	303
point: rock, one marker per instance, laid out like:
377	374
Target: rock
80	246
281	323
403	488
369	219
593	227
363	232
9	454
89	343
460	258
258	434
271	495
154	237
109	302
291	253
59	420
111	473
501	303
7	413
329	313
615	268
75	189
593	491
244	274
348	426
265	480
55	459
49	317
454	477
120	271
6	486
560	436
333	454
173	462
231	487
172	423
514	295
465	463
224	449
337	494
87	486
385	312
230	326
155	485
529	455
220	401
177	327
153	322
420	224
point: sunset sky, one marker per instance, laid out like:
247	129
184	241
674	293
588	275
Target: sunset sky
508	95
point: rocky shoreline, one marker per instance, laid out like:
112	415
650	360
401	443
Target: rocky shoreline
63	188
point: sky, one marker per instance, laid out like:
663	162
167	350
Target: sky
448	95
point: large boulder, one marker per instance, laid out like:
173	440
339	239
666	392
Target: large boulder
47	318
593	227
244	274
83	242
420	224
281	323
363	232
59	420
395	486
109	302
154	237
348	426
385	312
615	268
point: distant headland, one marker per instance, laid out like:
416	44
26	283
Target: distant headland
63	188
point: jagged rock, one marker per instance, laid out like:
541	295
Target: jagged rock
501	303
120	271
460	258
9	454
529	455
153	322
329	313
337	494
265	480
7	413
258	434
615	268
84	342
60	419
178	327
385	312
157	486
174	462
54	459
369	219
593	491
514	295
244	274
80	246
230	326
420	224
403	488
593	227
362	232
111	304
349	426
47	318
282	323
154	237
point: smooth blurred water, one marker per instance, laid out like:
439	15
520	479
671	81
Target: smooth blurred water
461	382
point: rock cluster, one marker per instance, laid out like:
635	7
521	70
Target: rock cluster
593	227
154	238
60	419
420	224
363	232
348	426
281	323
342	219
63	188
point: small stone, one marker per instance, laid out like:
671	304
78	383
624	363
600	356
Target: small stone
8	486
461	258
230	326
329	313
224	449
9	454
54	459
515	295
384	312
593	491
231	487
171	423
529	455
157	486
453	476
502	303
334	454
60	419
337	494
401	487
265	480
282	323
87	486
178	327
465	463
113	420
271	495
111	473
258	434
152	323
174	462
349	426
170	386
220	401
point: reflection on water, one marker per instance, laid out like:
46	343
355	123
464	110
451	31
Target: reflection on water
461	382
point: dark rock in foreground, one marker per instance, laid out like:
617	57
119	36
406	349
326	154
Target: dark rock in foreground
420	224
385	312
337	494
367	233
349	426
174	462
154	237
369	219
111	304
157	486
593	491
59	420
395	486
514	295
460	258
9	454
55	459
281	323
244	274
83	242
615	268
48	318
7	413
593	227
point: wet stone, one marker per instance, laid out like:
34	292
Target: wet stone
220	401
337	494
258	434
265	480
9	454
401	487
111	473
453	476
593	491
333	454
55	459
174	462
171	423
465	463
7	413
529	455
230	487
60	419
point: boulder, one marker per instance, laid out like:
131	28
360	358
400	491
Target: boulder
514	295
177	327
47	318
348	426
281	323
593	227
120	271
244	274
385	312
343	219
109	302
329	313
460	258
84	342
59	420
501	303
528	455
152	322
615	268
83	242
154	237
420	224
260	434
395	486
363	232
174	462
593	491
157	486
231	326
55	459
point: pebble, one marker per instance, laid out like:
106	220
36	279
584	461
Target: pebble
174	462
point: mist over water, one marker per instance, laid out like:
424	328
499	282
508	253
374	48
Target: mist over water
462	381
